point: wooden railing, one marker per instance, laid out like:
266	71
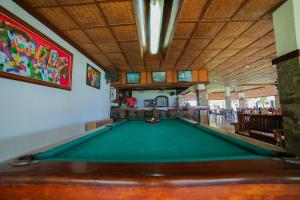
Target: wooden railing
264	127
192	113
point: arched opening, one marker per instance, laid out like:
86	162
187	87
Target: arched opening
162	101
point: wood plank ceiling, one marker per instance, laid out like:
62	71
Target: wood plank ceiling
221	36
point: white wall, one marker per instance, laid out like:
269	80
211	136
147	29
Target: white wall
32	116
286	21
142	95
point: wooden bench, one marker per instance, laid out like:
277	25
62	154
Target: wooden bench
95	124
268	128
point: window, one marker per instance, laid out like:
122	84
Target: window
162	101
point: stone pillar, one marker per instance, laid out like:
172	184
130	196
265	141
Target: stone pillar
227	98
287	36
202	98
241	100
277	100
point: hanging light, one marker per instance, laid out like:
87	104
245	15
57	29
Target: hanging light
156	20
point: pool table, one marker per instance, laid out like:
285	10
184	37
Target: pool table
173	158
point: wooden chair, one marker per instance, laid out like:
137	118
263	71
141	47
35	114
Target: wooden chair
163	113
122	114
140	114
172	113
132	114
148	113
156	113
190	113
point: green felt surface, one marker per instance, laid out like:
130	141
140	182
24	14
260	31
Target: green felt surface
166	141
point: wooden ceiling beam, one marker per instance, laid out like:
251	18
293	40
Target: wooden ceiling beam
224	25
205	7
112	32
58	4
243	66
54	29
267	13
100	26
87	35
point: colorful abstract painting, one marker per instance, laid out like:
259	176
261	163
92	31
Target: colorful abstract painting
28	55
159	77
133	78
185	76
93	77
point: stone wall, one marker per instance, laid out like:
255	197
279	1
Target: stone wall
289	92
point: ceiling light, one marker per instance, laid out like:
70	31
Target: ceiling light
170	29
139	8
156	15
156	20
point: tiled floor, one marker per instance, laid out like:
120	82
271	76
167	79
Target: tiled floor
222	122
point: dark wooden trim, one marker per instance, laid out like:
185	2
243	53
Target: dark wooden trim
285	57
250	171
31	80
37	32
49	5
46	23
156	85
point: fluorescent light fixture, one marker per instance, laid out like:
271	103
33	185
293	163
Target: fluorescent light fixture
156	16
171	24
139	6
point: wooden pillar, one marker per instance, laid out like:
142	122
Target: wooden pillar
287	36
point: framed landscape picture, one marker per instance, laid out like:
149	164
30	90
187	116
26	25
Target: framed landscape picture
93	77
30	56
159	77
184	76
133	77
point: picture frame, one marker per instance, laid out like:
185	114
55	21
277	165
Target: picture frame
184	76
133	77
93	77
113	95
30	56
159	77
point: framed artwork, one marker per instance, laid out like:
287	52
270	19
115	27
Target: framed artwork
184	76
112	94
30	56
93	77
159	77
133	77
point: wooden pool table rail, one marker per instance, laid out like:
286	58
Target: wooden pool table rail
54	180
239	179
